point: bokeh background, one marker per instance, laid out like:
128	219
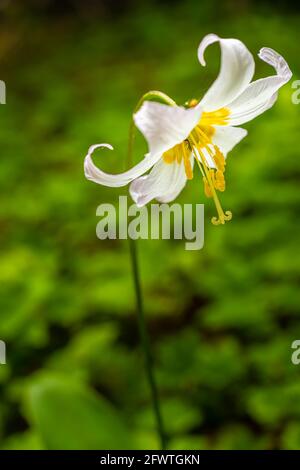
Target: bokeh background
222	319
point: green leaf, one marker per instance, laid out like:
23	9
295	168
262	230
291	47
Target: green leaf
67	416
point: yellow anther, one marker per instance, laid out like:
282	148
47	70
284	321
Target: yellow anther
192	103
207	189
219	159
212	175
219	181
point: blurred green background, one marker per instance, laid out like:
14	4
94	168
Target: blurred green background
222	319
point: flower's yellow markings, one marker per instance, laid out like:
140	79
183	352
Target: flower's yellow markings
210	119
176	154
199	141
208	131
170	155
187	163
215	118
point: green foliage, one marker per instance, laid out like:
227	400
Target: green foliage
68	416
221	320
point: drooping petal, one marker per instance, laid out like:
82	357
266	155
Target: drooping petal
93	173
261	94
164	183
165	126
236	71
228	137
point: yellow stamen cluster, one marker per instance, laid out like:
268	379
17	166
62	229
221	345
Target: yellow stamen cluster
176	154
199	142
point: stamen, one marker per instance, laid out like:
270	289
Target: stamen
209	186
219	159
219	181
199	141
187	163
207	189
218	156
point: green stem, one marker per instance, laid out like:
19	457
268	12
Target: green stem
150	96
146	345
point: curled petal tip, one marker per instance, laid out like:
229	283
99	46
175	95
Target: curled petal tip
274	59
206	41
262	50
267	53
92	148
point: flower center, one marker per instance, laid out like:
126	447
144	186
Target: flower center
215	118
208	156
179	152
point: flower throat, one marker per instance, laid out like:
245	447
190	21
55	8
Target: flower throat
199	143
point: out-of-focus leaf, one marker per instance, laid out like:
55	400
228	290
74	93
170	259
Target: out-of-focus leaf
291	437
23	441
179	416
69	416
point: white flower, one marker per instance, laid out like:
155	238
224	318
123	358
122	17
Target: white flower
204	131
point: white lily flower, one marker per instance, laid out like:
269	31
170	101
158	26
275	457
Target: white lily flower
204	131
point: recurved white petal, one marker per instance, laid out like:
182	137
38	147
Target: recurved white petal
93	173
164	183
228	137
165	126
236	71
261	94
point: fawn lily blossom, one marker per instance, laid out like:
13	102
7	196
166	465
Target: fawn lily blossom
203	131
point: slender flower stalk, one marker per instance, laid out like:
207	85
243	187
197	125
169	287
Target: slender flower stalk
144	337
146	345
